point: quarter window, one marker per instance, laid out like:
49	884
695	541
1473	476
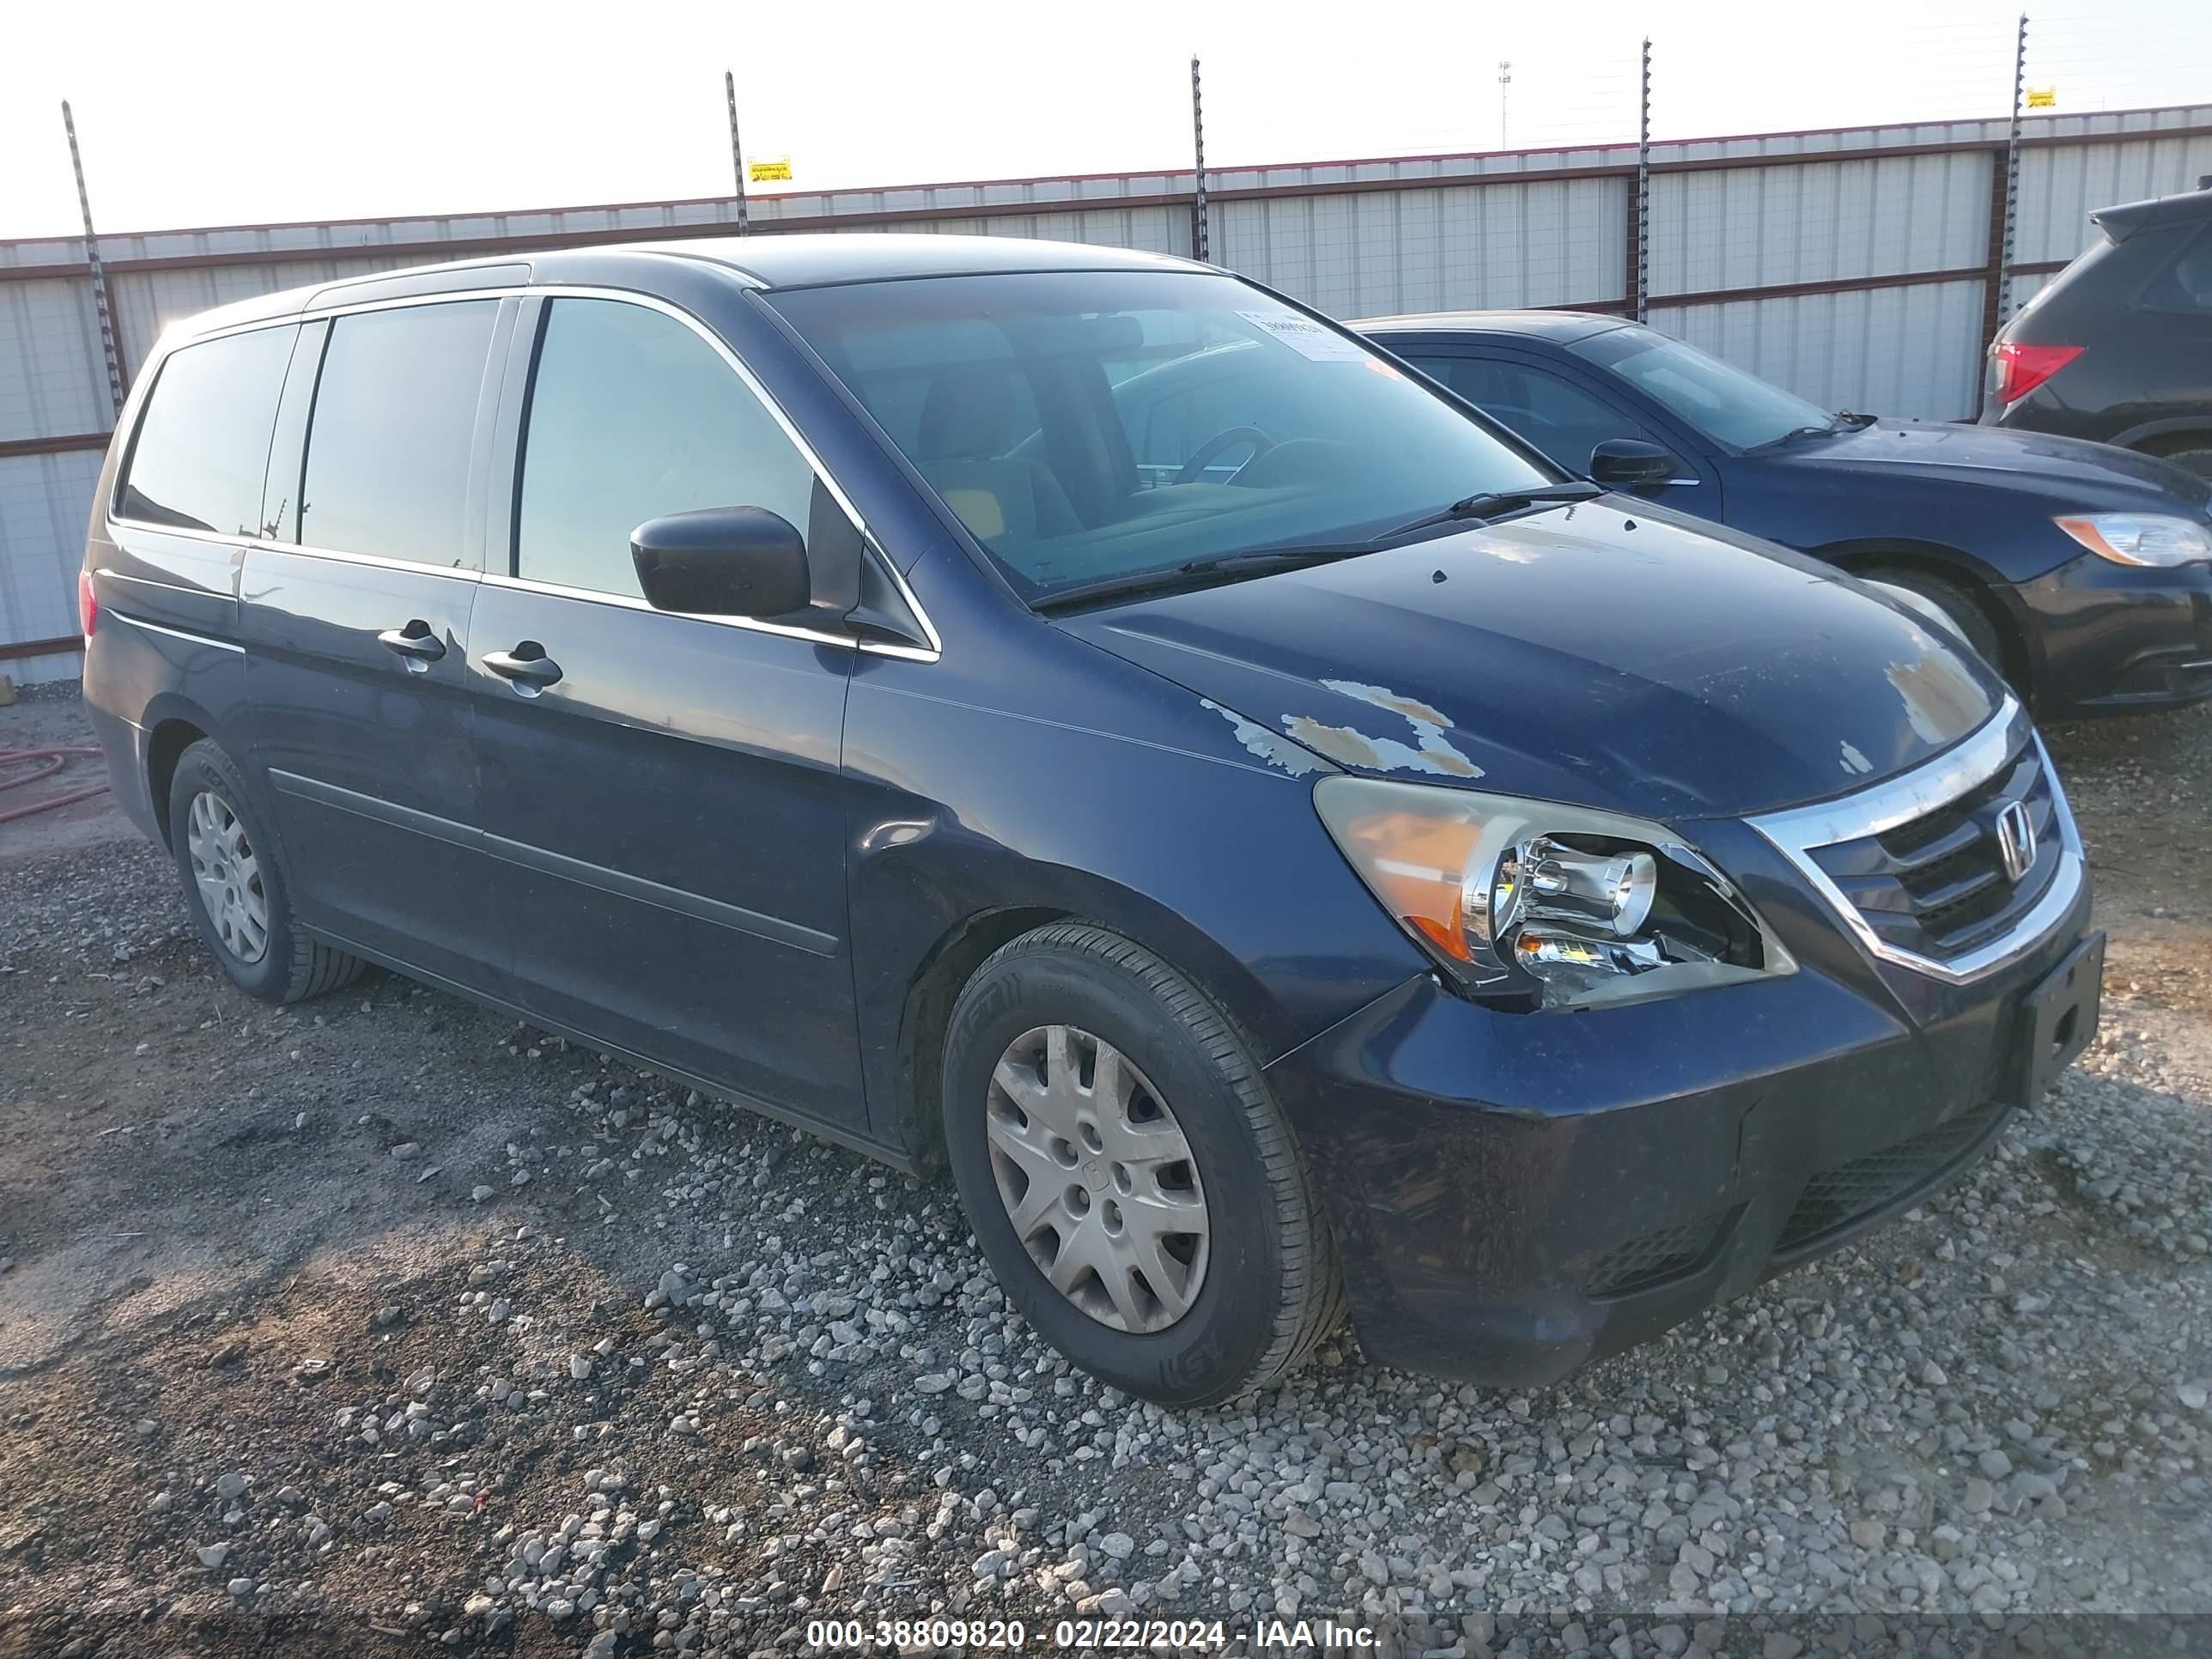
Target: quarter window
2185	285
633	417
203	447
388	444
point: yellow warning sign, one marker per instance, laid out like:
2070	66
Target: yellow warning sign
776	171
2043	98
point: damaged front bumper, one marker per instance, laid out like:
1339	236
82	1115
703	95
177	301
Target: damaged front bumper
1515	1194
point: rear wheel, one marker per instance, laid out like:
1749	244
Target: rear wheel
236	889
1128	1173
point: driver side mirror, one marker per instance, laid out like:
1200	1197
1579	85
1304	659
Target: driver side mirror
1632	463
722	561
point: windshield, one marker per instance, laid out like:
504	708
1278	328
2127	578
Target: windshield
1090	426
1723	402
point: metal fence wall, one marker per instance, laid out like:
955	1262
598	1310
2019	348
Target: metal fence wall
1861	267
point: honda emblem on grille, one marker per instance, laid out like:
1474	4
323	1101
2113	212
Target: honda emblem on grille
2016	840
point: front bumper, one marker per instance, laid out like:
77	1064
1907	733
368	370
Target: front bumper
2115	639
1515	1196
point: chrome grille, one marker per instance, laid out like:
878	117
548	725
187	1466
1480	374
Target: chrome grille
1938	886
1915	865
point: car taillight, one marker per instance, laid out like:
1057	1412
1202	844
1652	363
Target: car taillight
2021	368
88	607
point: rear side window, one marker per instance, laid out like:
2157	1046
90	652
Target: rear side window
388	443
2183	285
203	447
632	417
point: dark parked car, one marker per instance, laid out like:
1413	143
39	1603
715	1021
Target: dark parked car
2117	347
2083	572
1383	875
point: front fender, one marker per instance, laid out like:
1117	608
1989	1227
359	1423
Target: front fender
1113	797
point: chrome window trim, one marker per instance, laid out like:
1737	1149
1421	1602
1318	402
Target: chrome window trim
631	602
1796	831
930	652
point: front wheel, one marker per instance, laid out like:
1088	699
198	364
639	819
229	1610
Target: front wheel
2190	457
236	889
1127	1173
1971	622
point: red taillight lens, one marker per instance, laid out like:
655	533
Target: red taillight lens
88	607
2021	368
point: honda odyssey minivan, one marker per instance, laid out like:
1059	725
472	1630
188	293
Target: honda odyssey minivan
1355	865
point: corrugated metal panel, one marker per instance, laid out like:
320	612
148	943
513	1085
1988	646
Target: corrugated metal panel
147	301
2059	188
1152	229
52	379
44	501
1910	352
1823	221
1423	250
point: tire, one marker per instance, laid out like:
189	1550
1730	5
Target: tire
2194	456
222	845
1964	611
1261	1287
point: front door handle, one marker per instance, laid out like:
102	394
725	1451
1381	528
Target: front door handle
414	641
527	665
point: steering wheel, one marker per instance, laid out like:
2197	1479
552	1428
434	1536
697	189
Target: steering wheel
1191	468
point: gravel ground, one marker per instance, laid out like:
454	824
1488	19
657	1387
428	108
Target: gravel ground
382	1324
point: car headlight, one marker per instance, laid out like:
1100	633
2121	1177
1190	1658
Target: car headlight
1536	905
2154	539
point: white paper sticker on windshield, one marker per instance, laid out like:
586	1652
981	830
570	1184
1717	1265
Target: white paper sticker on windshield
1306	338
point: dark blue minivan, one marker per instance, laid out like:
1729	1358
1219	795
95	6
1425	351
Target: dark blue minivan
1378	870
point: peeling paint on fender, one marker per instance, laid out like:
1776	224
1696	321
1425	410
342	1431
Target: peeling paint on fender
1431	750
1265	743
1856	763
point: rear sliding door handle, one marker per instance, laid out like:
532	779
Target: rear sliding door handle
415	642
526	665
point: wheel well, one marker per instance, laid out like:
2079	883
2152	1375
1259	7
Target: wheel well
928	1009
2017	667
169	740
2168	443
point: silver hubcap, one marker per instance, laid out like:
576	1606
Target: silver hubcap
1098	1179
228	876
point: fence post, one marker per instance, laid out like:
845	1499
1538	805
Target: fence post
736	154
2012	175
1199	240
100	302
1643	251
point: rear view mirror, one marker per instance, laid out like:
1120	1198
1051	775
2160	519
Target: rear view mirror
722	561
1631	464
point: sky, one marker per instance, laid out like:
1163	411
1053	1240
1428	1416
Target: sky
220	115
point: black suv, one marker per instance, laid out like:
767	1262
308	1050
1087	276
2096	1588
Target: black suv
2117	347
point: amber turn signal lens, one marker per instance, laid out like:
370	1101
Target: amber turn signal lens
1417	864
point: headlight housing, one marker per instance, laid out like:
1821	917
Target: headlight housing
2151	539
1531	904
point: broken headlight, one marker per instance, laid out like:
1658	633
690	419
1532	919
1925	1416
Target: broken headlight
1539	905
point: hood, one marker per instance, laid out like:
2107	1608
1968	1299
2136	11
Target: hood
2068	472
1602	653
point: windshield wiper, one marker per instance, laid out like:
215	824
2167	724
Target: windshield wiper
1491	504
1796	433
1197	573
